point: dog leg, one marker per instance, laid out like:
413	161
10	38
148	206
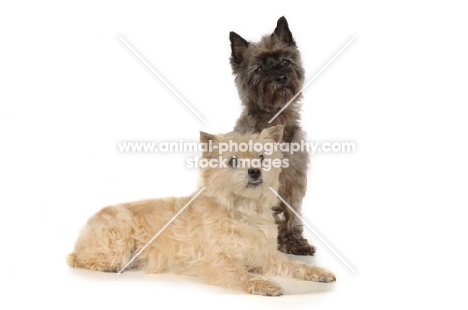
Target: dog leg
279	265
290	229
224	271
105	243
293	182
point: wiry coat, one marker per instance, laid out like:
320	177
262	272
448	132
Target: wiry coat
268	74
227	231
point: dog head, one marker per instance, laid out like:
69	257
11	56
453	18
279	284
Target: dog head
268	73
237	165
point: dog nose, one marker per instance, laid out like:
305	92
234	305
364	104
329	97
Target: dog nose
281	79
254	173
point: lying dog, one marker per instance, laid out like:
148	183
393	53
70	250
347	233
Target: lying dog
225	235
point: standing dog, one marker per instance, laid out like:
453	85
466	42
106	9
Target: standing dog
227	232
268	74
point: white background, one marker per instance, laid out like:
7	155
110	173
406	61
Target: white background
70	90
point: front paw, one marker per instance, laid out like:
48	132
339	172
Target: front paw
302	249
318	274
263	287
295	245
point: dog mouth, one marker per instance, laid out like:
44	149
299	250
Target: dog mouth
277	98
254	183
284	91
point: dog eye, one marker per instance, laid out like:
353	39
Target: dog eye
261	158
233	162
259	69
285	62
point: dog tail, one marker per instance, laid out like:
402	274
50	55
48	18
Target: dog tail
71	259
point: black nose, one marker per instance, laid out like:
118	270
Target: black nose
281	79
254	173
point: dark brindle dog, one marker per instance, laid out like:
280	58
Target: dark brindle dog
268	74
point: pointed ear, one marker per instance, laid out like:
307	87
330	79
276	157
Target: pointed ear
238	47
206	137
282	31
275	133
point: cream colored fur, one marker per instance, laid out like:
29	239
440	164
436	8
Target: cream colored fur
225	235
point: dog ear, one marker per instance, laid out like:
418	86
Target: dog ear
206	145
282	31
238	47
275	133
206	137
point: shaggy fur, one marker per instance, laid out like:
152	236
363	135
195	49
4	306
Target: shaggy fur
267	75
224	235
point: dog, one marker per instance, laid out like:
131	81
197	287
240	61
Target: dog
226	235
268	74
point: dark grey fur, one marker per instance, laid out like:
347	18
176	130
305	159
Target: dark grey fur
267	75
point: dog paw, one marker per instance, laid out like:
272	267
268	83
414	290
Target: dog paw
265	288
297	247
303	249
318	274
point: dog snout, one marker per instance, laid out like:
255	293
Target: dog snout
281	79
254	173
